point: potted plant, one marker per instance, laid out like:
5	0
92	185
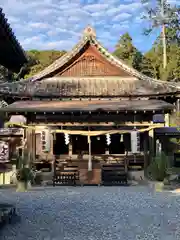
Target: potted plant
24	179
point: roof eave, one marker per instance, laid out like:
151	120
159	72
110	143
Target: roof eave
14	46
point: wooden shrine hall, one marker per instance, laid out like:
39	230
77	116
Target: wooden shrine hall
89	115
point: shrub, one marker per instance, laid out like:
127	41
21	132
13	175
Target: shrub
157	170
24	175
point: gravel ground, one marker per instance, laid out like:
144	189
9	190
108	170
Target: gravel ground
93	213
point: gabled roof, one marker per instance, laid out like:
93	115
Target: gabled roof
50	85
90	36
12	56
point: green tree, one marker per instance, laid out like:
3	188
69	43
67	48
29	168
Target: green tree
38	60
147	67
126	51
155	55
163	16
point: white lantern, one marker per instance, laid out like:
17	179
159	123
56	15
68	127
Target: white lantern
45	140
66	138
158	146
122	138
135	142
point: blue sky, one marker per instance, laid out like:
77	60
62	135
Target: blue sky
58	24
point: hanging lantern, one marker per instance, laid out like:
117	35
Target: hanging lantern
98	138
66	138
108	139
122	138
45	140
135	142
158	146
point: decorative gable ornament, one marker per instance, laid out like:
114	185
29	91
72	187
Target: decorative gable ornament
89	31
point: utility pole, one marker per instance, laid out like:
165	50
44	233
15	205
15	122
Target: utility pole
163	35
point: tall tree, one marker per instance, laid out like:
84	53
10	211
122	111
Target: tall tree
162	15
172	71
127	52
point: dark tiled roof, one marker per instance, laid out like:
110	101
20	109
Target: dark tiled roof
87	105
87	87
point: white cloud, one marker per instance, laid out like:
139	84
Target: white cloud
121	17
46	24
120	28
96	7
138	19
131	7
39	25
174	2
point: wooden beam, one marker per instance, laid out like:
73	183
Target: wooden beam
70	124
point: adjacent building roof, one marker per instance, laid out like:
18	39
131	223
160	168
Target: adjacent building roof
89	70
12	55
87	105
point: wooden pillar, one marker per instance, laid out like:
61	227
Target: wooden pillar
31	145
178	105
151	144
167	120
52	136
54	170
90	157
145	147
51	143
70	146
27	147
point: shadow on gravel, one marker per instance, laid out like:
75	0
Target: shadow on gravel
14	220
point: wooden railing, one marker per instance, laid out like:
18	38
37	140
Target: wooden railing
69	175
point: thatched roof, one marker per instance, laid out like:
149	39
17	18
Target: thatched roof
87	105
52	83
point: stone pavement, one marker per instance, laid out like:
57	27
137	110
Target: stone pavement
93	213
